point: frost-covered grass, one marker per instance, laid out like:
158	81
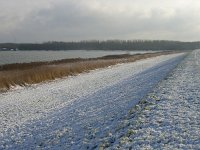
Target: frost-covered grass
79	111
169	118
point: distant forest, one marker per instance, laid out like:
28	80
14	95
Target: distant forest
104	45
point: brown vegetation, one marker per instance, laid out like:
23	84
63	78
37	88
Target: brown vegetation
36	72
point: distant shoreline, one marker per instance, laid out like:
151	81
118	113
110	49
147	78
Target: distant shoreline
104	45
36	72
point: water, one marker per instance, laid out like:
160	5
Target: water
9	57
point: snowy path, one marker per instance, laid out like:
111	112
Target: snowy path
169	118
77	112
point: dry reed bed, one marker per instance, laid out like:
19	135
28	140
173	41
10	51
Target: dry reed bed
36	72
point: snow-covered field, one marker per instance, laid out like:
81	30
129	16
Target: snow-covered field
82	111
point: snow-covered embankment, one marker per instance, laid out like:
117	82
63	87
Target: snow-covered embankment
169	118
77	111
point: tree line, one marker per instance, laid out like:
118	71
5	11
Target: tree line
104	45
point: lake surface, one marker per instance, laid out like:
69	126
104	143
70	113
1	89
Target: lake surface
9	57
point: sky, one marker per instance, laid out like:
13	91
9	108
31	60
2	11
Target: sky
76	20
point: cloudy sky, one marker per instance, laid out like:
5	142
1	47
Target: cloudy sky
74	20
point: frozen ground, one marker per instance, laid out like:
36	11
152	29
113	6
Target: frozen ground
78	112
169	117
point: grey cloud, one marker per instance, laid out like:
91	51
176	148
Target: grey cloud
75	20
